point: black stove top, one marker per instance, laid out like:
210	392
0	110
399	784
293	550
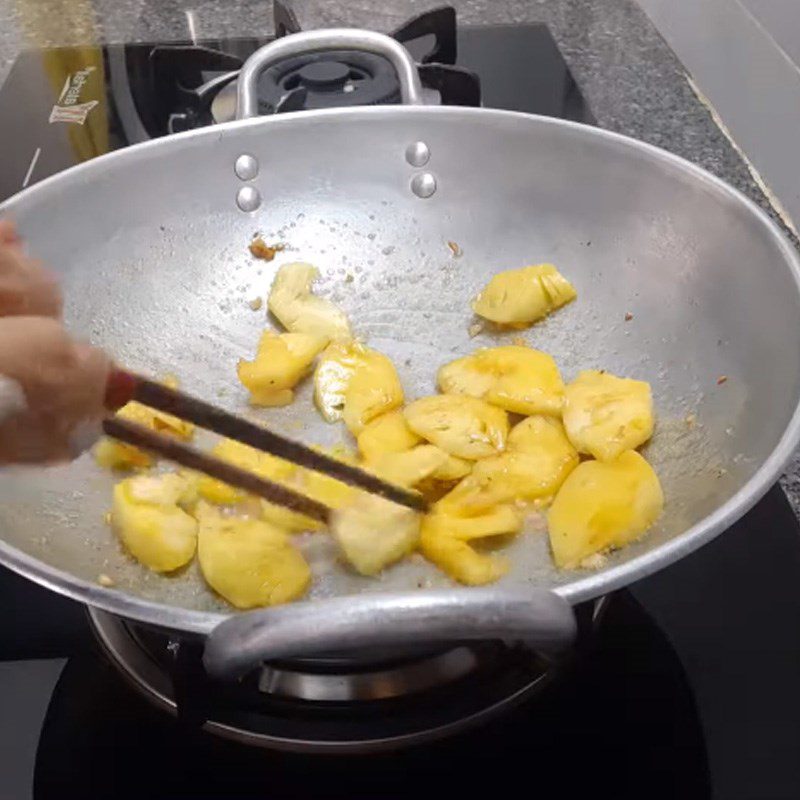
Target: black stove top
62	106
622	720
696	668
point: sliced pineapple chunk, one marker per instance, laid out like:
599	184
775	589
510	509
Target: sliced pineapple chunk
374	533
373	390
520	297
318	486
453	469
247	458
300	311
112	454
500	520
460	560
516	378
388	433
249	562
539	432
411	466
277	399
154	529
332	377
605	415
281	361
603	505
534	467
357	384
167	489
286	520
462	426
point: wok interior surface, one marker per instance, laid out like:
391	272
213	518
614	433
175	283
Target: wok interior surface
153	254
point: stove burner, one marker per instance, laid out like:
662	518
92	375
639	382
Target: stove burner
324	75
332	704
179	87
332	79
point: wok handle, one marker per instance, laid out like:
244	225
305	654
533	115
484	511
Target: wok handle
543	619
298	44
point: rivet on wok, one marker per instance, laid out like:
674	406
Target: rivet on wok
248	198
418	154
246	167
423	184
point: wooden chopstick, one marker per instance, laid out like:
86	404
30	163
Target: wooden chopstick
210	417
190	457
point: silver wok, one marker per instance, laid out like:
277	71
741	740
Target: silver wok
151	244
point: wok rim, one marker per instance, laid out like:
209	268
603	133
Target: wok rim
584	588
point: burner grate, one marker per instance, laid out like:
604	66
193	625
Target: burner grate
330	705
179	87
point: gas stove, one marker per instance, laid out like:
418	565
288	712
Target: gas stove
84	102
120	710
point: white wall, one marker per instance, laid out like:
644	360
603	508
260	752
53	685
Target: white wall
744	56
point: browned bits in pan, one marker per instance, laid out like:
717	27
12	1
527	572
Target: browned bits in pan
721	380
628	316
260	249
455	249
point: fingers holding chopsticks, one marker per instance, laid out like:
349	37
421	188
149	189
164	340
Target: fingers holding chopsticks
51	385
26	287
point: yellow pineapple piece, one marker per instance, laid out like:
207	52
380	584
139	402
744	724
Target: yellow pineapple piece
453	469
357	384
277	399
460	560
281	361
286	520
329	491
112	454
537	432
332	377
514	377
411	466
321	487
147	518
533	468
166	489
462	426
605	415
373	390
388	433
374	533
603	505
246	458
341	452
249	562
520	297
500	520
299	310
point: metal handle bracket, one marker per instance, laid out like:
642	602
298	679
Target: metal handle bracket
543	619
316	41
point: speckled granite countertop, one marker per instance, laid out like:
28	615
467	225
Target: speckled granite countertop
631	78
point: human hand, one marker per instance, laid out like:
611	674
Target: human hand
51	391
26	287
